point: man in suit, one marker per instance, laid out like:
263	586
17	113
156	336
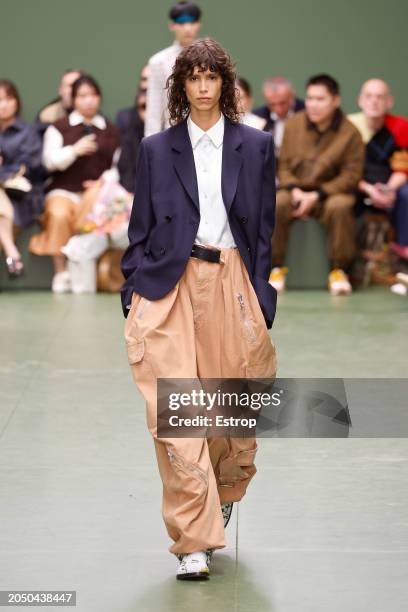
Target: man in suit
281	104
197	298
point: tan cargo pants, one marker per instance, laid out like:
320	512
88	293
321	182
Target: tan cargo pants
210	325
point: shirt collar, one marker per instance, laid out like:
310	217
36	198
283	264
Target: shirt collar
75	118
215	133
275	117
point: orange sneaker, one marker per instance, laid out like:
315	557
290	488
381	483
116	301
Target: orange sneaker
277	279
339	283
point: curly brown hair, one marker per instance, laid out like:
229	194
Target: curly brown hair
207	54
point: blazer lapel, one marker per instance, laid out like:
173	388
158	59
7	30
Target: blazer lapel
231	162
183	160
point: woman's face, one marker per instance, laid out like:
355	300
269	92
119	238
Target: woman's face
87	101
8	106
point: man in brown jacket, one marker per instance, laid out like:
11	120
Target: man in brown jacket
320	165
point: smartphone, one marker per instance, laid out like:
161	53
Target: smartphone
88	129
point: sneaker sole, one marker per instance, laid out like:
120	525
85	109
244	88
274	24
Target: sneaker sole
194	576
339	291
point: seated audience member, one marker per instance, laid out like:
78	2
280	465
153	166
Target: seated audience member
398	127
21	193
61	106
77	150
102	225
281	104
320	166
128	117
131	140
245	103
384	185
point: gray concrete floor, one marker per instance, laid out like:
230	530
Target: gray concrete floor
323	527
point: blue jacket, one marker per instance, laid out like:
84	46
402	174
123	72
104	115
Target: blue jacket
166	212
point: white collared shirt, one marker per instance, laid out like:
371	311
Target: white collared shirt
55	155
214	227
279	128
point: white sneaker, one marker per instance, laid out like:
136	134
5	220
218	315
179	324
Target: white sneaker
277	278
193	566
339	283
402	278
399	289
61	282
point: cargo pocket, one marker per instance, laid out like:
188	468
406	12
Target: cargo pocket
193	479
265	368
232	469
260	350
135	351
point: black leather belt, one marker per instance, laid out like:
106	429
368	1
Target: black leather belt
200	252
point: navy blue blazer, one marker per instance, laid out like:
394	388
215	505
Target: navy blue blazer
166	212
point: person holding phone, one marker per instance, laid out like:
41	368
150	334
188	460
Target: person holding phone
77	150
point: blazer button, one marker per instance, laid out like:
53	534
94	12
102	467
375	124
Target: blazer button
244	219
162	251
168	218
147	252
249	249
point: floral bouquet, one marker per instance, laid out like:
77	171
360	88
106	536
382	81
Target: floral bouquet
110	210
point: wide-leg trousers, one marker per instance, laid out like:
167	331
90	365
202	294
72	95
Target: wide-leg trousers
210	325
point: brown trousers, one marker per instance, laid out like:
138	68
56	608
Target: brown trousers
210	325
336	214
61	219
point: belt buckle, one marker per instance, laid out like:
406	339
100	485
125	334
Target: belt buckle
215	253
218	253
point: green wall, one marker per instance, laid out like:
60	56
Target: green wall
353	40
